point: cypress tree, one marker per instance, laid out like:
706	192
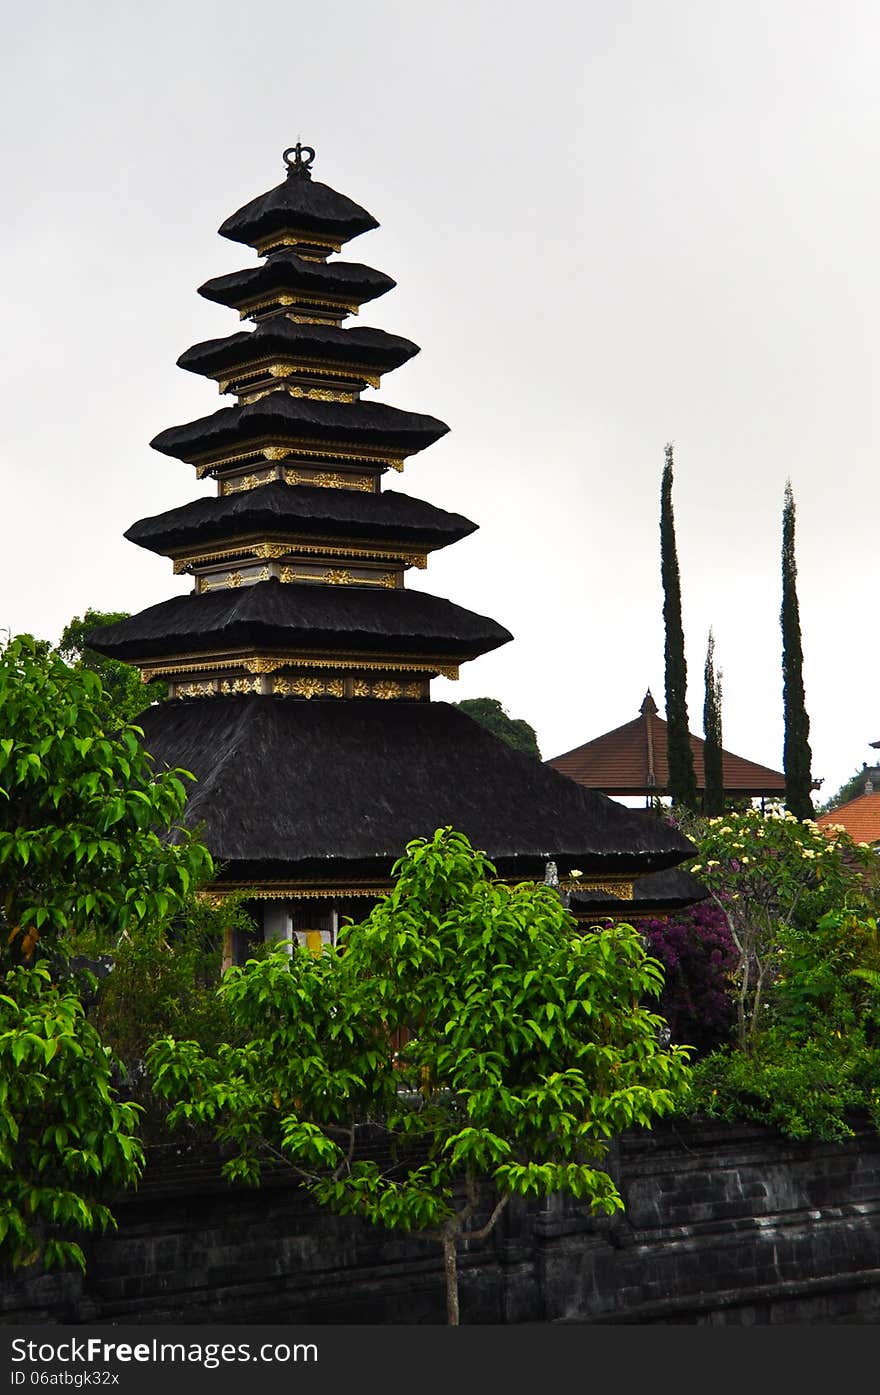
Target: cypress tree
713	794
796	756
682	780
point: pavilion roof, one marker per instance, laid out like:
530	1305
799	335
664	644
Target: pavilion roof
280	336
631	760
276	508
860	817
280	416
286	271
340	619
301	203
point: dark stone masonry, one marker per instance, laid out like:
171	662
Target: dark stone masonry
722	1225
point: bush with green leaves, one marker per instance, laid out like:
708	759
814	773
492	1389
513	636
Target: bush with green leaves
774	876
799	901
491	1048
93	854
66	1141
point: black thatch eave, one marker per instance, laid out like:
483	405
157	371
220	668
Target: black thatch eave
285	271
301	204
660	892
293	788
344	514
371	424
276	616
370	348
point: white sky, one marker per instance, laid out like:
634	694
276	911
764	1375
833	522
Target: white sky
613	223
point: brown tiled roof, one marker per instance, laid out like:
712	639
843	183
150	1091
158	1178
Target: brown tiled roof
860	817
631	760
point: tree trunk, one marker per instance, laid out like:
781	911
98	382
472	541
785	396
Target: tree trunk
450	1265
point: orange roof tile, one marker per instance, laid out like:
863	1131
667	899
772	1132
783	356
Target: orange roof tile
632	760
860	817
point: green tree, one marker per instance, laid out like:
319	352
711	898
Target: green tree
801	906
516	731
66	1141
84	818
682	780
797	756
493	1050
852	788
771	873
126	692
713	794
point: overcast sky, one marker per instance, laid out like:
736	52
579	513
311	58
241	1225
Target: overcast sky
613	223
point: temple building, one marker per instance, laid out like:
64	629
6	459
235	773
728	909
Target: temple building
631	761
299	664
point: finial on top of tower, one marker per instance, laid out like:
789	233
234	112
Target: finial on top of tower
300	165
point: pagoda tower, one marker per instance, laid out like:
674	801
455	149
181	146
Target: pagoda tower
299	665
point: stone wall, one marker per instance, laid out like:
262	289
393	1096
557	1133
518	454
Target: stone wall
722	1225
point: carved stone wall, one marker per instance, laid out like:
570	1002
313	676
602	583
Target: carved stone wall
722	1225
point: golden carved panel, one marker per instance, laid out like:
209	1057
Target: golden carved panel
327	480
386	689
195	689
293	237
308	687
239	685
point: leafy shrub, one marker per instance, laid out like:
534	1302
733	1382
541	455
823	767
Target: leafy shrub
698	955
806	1088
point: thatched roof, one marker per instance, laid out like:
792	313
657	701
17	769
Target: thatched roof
280	416
301	616
658	893
323	787
283	509
285	271
300	204
370	348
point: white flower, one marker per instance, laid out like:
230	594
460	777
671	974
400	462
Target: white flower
575	872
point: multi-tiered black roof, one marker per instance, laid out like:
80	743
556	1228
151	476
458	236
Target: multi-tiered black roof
299	666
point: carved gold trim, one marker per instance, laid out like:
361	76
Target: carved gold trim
623	890
243	483
335	576
271	551
326	368
387	689
292	237
239	685
255	369
310	300
319	394
248	395
206	689
259	663
292	892
326	479
308	687
282	450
